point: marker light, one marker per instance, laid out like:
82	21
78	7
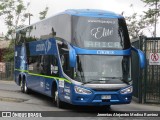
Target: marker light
127	90
80	90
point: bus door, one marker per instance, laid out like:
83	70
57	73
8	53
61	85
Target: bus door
66	69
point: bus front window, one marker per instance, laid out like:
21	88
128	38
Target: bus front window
99	33
109	69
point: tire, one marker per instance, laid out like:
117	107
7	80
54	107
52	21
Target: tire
24	87
57	101
26	90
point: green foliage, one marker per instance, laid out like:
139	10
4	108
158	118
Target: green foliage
153	13
13	13
43	13
138	23
150	2
9	53
134	26
154	8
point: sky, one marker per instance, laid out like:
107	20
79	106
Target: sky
56	6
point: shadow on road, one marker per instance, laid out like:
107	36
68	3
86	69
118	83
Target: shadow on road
69	107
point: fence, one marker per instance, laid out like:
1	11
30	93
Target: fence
6	71
147	82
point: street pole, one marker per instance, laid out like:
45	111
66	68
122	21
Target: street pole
155	24
29	17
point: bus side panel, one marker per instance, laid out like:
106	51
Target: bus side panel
64	89
49	83
35	83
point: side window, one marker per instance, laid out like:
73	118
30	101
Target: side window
34	64
50	65
64	56
44	64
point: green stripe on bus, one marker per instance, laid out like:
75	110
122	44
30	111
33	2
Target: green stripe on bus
21	70
57	78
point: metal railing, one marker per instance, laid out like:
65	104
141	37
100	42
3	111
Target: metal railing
6	71
146	83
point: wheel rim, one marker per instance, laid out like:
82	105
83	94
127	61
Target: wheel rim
22	87
25	87
56	98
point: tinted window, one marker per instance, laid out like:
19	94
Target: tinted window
64	56
100	33
44	64
112	69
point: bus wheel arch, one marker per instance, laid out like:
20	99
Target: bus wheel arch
55	95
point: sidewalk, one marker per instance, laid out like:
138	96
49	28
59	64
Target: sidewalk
8	85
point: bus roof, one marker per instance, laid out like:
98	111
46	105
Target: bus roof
92	13
86	13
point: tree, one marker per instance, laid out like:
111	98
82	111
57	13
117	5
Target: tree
14	14
9	53
137	24
43	14
134	26
153	13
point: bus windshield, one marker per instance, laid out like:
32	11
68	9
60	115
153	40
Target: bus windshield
95	68
99	33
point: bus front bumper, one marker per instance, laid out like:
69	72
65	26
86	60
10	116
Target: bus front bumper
96	99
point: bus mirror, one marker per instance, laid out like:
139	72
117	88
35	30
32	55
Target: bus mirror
72	57
141	56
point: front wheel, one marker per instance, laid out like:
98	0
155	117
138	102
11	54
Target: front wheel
58	102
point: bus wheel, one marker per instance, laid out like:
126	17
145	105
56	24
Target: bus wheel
26	90
22	86
58	102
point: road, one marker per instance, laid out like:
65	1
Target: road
12	99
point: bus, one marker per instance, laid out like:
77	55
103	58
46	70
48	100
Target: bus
79	56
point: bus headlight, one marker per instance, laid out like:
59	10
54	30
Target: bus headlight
127	90
80	90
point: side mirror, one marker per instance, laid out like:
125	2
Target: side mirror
142	59
72	56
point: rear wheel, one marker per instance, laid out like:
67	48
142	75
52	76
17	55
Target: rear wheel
26	90
24	87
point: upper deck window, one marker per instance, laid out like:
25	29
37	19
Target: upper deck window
99	33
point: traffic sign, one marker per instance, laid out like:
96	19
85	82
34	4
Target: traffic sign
154	59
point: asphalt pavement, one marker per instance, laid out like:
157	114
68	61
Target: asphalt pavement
12	99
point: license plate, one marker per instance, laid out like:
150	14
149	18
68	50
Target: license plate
106	97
